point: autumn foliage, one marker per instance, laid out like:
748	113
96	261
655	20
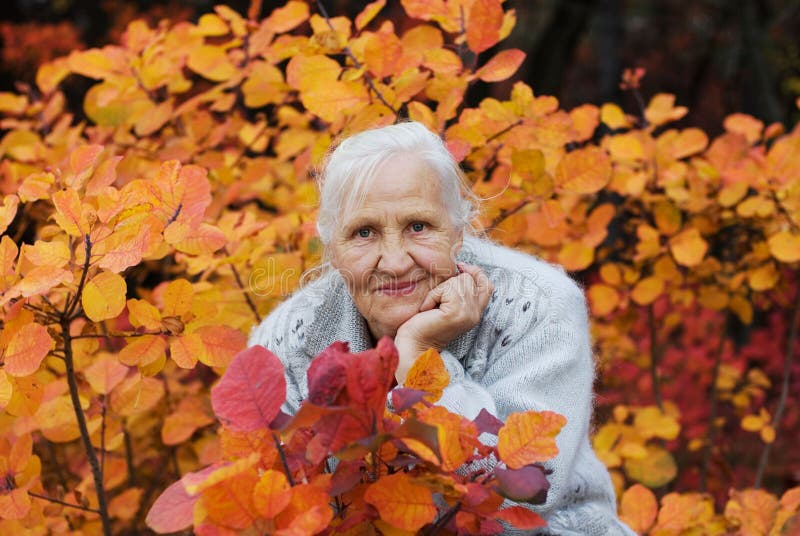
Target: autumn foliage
277	474
147	230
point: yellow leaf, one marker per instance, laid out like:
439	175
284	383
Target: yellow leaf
785	246
647	290
69	213
177	298
746	125
211	62
583	171
662	110
288	17
103	297
638	508
613	116
656	469
688	247
6	390
651	422
763	277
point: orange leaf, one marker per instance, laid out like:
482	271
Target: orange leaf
638	508
401	502
288	17
6	390
575	256
143	314
330	100
178	297
69	213
688	247
41	279
483	25
136	395
186	350
26	350
382	52
583	171
529	437
8	211
746	125
103	297
187	237
310	502
221	344
428	373
502	66
143	351
753	510
272	493
603	299
105	373
368	13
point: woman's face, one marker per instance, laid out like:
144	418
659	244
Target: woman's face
397	246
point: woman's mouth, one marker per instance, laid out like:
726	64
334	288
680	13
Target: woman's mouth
398	289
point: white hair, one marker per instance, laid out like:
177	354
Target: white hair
351	167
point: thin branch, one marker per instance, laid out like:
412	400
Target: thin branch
81	418
655	357
103	436
494	136
129	456
711	427
356	63
284	461
70	309
240	283
118	334
63	503
444	520
508	212
787	375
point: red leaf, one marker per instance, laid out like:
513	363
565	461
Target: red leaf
487	423
403	398
172	511
251	391
527	484
326	378
520	517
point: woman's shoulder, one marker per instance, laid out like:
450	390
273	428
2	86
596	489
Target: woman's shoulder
285	325
518	273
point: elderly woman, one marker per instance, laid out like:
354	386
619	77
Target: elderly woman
513	331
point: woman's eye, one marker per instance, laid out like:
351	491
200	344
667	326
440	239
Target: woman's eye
363	232
417	227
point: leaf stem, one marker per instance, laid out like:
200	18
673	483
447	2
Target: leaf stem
240	283
787	375
81	418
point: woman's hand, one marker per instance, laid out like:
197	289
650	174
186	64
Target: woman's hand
461	301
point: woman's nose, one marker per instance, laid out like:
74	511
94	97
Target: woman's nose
394	257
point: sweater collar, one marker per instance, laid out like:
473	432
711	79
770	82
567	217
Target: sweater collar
338	319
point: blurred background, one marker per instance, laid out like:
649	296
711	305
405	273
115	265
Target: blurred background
716	56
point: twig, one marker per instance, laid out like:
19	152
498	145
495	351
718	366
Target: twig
509	212
103	436
70	309
444	520
356	63
787	375
81	418
118	334
494	136
63	503
129	456
655	357
240	283
284	461
711	427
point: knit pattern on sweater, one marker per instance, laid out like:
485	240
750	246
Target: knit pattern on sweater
530	351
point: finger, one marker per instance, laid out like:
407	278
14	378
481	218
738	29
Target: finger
483	284
432	298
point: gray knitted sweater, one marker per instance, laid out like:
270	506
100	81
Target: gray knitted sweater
531	350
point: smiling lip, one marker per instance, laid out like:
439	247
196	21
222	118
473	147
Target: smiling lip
398	289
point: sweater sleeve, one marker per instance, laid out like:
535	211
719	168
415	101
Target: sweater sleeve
547	364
